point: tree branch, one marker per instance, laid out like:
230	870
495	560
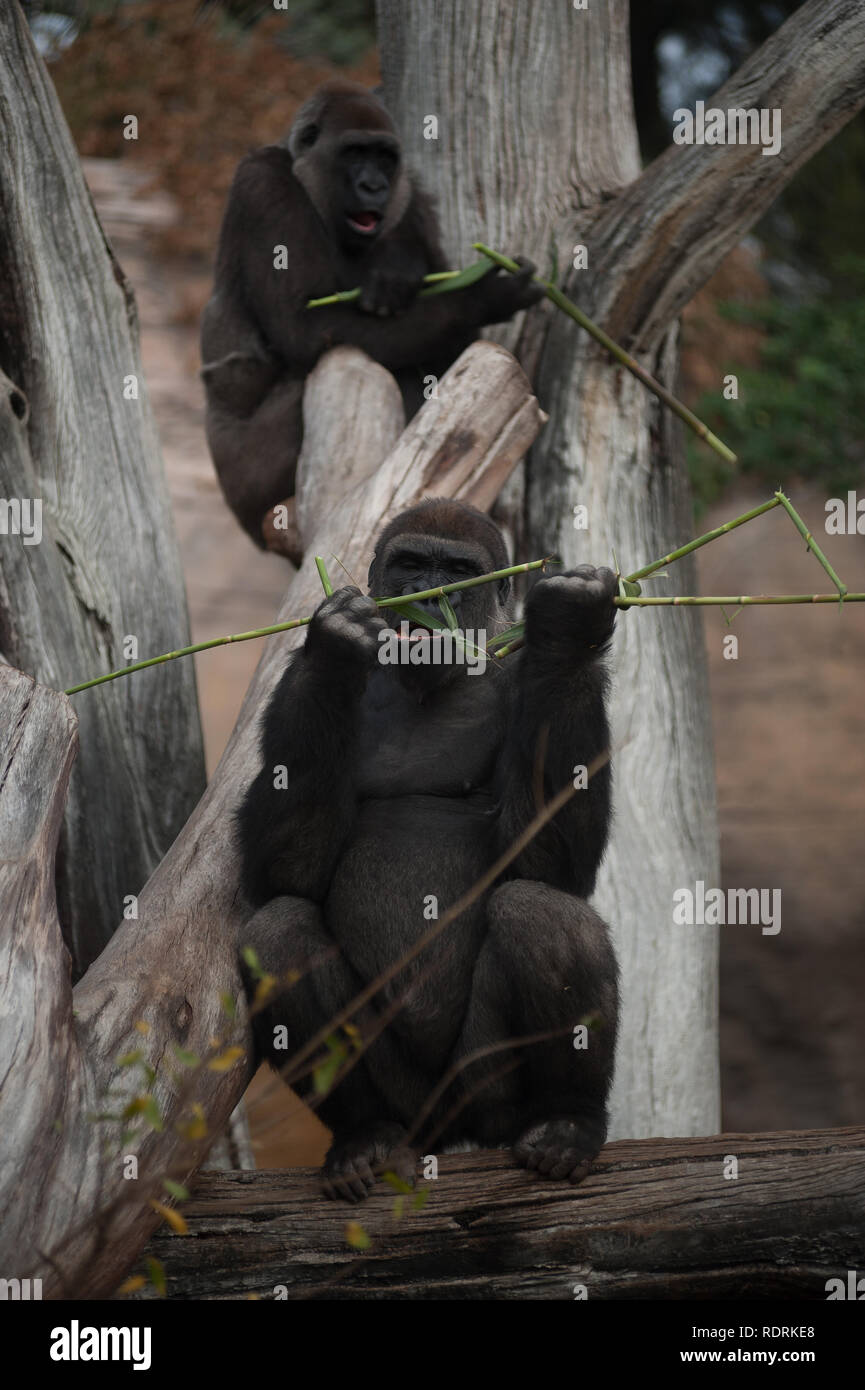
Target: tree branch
672	227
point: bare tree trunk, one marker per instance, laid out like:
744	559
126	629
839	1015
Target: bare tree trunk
69	1071
537	150
77	439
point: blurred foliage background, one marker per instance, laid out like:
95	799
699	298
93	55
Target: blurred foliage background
209	79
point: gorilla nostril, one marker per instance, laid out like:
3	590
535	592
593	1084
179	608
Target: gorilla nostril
18	402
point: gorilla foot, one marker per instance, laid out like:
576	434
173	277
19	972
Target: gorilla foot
352	1166
281	532
560	1148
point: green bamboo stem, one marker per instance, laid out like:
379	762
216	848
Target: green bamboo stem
703	540
349	296
745	600
302	622
568	307
678	600
809	540
323	576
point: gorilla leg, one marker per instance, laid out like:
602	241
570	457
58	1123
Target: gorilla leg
254	452
546	966
368	1117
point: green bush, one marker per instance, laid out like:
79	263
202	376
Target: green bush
802	412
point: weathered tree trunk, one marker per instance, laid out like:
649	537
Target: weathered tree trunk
77	1221
656	1219
75	440
538	150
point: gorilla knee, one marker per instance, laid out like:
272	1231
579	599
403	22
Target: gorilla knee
287	934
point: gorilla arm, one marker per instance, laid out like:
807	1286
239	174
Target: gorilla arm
292	833
559	723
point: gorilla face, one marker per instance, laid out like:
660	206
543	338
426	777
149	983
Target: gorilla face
410	563
367	167
347	156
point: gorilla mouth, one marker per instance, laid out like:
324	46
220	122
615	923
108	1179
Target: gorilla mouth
364	222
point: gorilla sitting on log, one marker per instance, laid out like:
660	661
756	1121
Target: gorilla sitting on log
386	792
330	208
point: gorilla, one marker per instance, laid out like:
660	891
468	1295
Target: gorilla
400	785
336	196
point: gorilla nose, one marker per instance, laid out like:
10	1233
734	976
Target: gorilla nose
373	188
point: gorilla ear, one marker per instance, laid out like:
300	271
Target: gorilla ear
504	590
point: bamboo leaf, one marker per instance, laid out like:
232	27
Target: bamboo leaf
448	613
415	614
476	271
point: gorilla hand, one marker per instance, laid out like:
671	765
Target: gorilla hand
344	629
391	284
501	295
573	611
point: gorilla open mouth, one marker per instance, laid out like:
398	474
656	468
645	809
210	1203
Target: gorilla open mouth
367	223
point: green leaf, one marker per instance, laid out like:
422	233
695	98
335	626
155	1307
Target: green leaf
176	1189
448	613
629	588
156	1272
130	1058
398	1184
476	271
415	614
250	956
189	1059
228	1005
356	1236
323	1075
421	1198
510	634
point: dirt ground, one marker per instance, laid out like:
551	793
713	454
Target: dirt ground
788	717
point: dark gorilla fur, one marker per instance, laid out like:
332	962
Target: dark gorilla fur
335	193
406	782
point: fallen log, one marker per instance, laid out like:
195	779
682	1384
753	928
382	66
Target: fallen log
656	1219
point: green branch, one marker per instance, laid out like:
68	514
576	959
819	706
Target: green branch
513	638
394	602
568	307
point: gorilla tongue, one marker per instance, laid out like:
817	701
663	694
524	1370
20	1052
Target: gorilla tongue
364	221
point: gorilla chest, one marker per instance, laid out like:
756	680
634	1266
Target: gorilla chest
444	746
423	834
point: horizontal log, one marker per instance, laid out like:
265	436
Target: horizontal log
656	1219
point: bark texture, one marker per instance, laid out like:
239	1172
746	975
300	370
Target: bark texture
655	1219
75	438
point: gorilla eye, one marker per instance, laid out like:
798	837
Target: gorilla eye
308	136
